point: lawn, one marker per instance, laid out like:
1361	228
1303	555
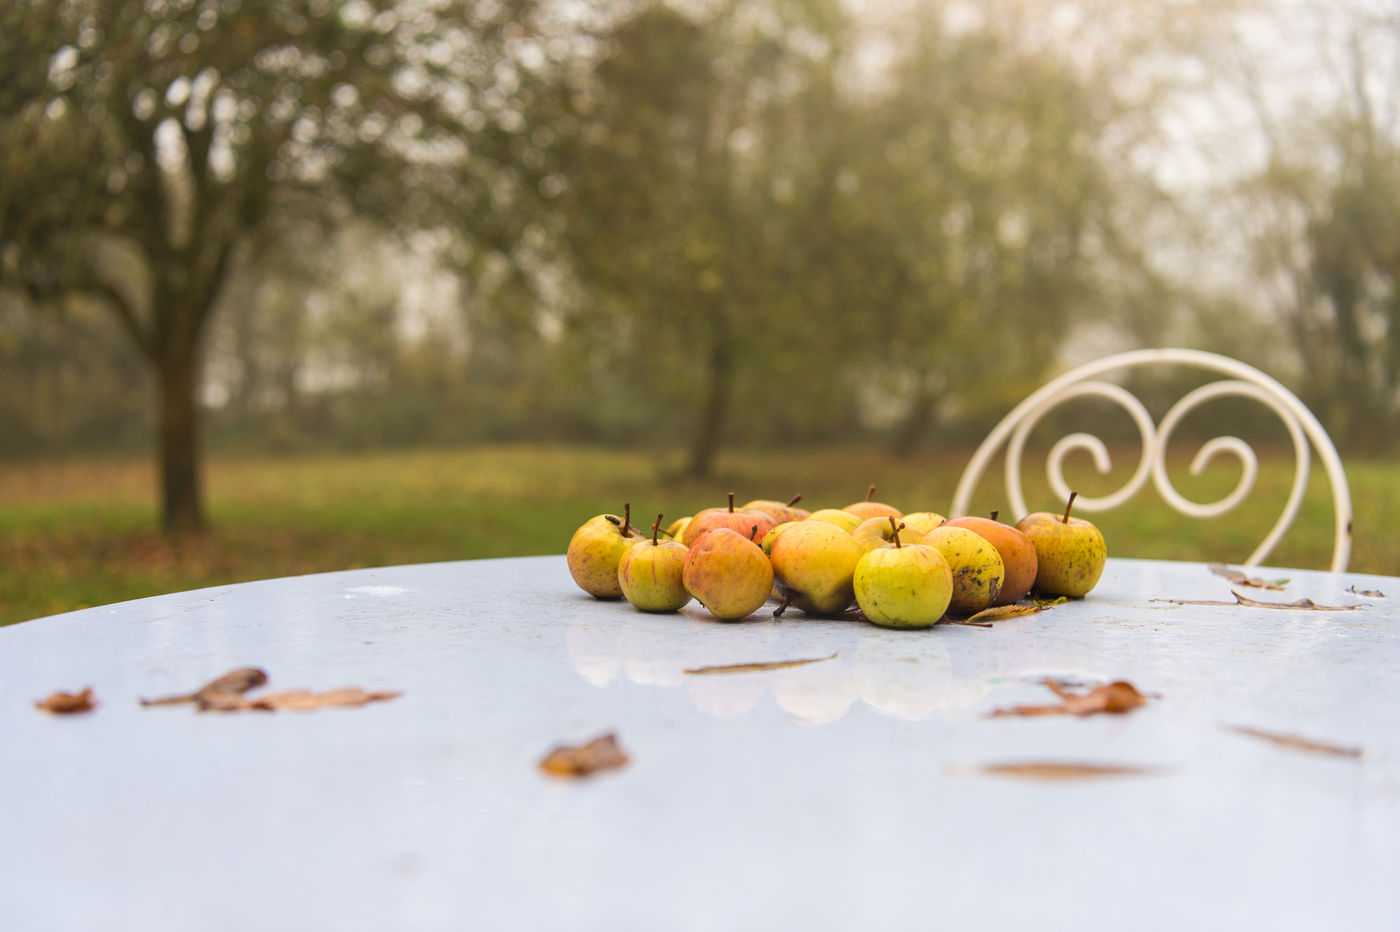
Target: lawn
80	533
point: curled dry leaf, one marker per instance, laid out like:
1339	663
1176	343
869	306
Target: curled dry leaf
1114	698
1297	742
220	694
757	667
61	703
1366	593
302	700
602	753
1060	770
1240	579
1002	612
1301	605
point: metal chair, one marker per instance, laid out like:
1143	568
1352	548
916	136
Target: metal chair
1244	380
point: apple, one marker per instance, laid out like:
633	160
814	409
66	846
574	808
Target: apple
596	549
921	522
977	569
873	509
813	564
781	511
877	532
742	521
903	585
676	528
837	516
650	573
727	573
1070	552
1017	553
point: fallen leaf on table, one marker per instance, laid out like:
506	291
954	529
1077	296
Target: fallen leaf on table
602	753
1056	770
1301	605
1002	612
1297	742
1050	602
302	700
1114	698
220	694
61	703
757	667
1367	593
1240	579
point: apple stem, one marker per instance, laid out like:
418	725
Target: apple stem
655	530
731	503
626	518
870	494
795	499
1068	505
782	606
753	532
895	535
994	514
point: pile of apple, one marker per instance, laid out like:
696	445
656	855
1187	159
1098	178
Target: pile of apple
901	570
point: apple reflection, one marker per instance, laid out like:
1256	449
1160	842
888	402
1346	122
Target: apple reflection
908	675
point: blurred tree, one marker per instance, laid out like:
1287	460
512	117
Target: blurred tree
145	144
677	200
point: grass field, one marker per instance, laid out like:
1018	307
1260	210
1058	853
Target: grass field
81	533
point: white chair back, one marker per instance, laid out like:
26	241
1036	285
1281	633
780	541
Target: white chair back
1245	380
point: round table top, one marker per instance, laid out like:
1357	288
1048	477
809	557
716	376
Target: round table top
870	789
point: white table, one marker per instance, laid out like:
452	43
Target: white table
838	795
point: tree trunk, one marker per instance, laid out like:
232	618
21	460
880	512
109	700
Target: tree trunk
714	409
910	432
181	491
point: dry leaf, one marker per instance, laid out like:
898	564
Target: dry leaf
61	703
1296	742
1367	593
1048	603
1115	698
1240	579
602	753
220	694
757	667
1056	770
1301	605
301	700
1002	612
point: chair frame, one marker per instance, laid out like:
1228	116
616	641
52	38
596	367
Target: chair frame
1303	427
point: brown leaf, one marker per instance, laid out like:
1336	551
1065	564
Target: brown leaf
1240	579
1002	612
61	703
1301	605
1115	698
1296	742
1057	770
215	695
1367	593
602	753
302	700
757	667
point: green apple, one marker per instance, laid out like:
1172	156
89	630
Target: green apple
676	528
1070	552
920	523
650	573
752	524
1017	553
977	569
727	573
813	564
837	516
872	509
596	549
876	532
903	585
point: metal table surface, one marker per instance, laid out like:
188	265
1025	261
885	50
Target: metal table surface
850	793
